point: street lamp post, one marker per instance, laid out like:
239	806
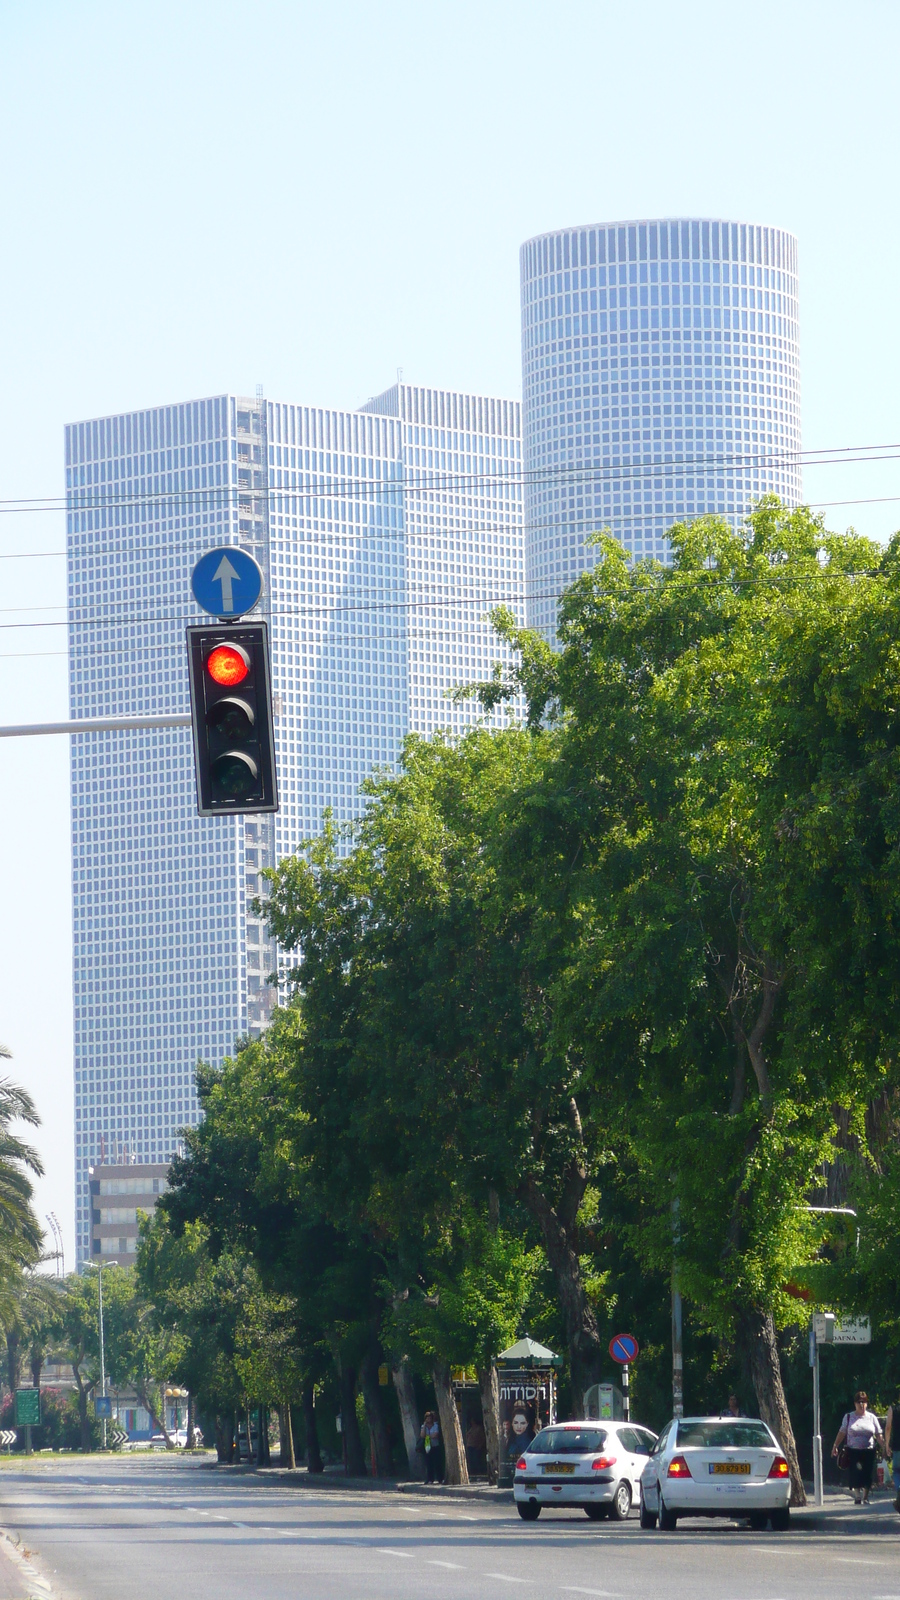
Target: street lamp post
818	1470
102	1345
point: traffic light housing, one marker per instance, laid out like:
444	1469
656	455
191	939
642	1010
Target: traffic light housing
231	714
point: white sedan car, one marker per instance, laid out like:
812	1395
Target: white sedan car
595	1465
716	1467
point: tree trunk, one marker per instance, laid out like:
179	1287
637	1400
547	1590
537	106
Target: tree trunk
757	1335
84	1425
313	1453
455	1468
143	1393
263	1454
490	1414
586	1350
224	1428
286	1456
189	1430
13	1360
248	1424
401	1373
37	1366
375	1412
353	1447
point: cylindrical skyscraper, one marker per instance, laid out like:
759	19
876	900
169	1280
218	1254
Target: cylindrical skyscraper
661	380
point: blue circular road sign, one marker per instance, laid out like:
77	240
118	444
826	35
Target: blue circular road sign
624	1348
226	582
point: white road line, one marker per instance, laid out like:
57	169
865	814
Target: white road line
572	1588
505	1577
406	1554
457	1567
859	1561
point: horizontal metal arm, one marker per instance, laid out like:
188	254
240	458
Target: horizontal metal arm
173	719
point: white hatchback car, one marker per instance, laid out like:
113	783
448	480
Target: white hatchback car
716	1467
595	1465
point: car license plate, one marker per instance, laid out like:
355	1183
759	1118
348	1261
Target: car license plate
559	1466
732	1468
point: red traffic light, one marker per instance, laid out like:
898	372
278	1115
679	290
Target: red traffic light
228	665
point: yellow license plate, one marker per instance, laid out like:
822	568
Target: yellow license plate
732	1468
559	1466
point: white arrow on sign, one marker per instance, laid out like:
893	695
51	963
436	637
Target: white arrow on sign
7	1437
226	576
117	1438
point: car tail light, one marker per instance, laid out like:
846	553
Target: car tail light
779	1468
678	1468
521	1464
599	1463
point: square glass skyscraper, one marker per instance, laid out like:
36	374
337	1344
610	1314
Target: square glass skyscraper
384	537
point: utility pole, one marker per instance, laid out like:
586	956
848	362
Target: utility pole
677	1324
102	1353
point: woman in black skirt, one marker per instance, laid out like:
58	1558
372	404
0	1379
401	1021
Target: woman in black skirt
861	1431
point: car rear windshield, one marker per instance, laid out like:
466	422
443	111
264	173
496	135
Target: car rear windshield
567	1441
719	1435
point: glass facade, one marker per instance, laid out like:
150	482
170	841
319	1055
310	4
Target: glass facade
661	381
384	536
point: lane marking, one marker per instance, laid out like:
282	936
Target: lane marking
505	1577
858	1561
572	1588
406	1554
456	1565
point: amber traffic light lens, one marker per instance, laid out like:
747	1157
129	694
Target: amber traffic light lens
232	718
228	664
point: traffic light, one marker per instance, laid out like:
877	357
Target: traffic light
231	712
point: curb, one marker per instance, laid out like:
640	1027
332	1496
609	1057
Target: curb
300	1478
37	1586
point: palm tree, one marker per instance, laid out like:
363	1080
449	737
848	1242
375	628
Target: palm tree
21	1235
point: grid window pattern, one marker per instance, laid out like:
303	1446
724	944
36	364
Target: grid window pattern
384	536
661	381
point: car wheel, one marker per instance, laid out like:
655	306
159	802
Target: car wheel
781	1520
596	1513
758	1521
528	1510
621	1502
668	1521
648	1517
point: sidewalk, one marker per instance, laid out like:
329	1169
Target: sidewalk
838	1515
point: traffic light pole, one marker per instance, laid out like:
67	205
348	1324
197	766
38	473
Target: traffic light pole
166	719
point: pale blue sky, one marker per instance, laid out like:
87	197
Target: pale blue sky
201	197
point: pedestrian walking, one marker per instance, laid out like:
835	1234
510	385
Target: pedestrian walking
856	1446
892	1443
430	1445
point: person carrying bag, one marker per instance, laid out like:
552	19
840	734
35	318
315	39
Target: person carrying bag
858	1442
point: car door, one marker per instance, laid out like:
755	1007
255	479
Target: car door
650	1478
644	1442
631	1459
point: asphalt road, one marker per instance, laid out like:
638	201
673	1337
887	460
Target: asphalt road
127	1529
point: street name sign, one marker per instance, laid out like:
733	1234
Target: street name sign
624	1348
854	1330
226	582
28	1408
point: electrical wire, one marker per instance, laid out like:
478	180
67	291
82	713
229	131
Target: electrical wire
334	486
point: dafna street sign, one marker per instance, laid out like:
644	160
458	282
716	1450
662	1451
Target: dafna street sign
226	582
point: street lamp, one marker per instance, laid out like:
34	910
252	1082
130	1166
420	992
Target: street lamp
818	1479
99	1266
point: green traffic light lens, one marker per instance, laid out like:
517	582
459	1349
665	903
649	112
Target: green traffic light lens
235	776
